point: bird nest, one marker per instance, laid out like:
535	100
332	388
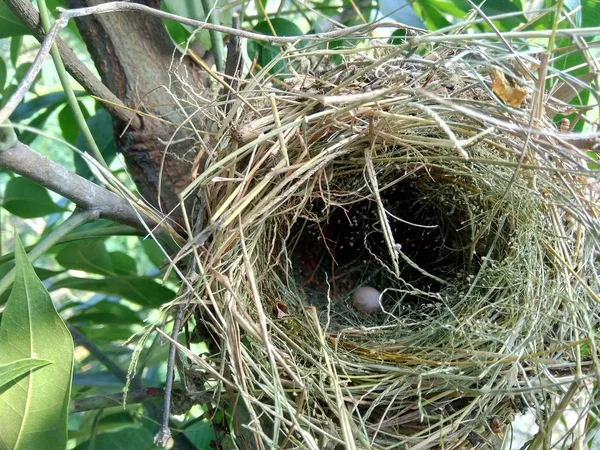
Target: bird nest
434	176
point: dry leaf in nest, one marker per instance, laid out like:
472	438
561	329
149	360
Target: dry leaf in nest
507	90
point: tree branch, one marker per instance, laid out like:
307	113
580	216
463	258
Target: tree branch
100	355
22	160
29	16
29	77
163	435
127	6
139	63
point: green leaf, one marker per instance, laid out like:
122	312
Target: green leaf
16	369
7	93
24	198
129	438
201	433
68	124
398	37
87	256
155	254
110	334
27	137
590	14
438	14
265	53
10	25
595	157
101	127
177	31
112	420
43	274
141	290
3	72
105	312
34	410
93	257
15	49
123	264
431	16
32	107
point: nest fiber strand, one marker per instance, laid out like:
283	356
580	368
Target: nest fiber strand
409	172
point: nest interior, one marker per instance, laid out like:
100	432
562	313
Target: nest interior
405	171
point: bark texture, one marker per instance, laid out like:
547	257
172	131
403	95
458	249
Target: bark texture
138	62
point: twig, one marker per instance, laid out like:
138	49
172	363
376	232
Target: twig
215	37
233	64
101	356
29	17
78	217
162	437
120	6
22	160
29	77
109	400
111	7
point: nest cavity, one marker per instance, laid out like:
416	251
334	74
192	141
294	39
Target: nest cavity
412	172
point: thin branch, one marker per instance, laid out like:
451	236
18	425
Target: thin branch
29	17
163	435
32	72
126	6
109	400
216	39
78	217
121	6
101	356
22	160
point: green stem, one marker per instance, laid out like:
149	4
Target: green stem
78	217
65	81
215	37
559	6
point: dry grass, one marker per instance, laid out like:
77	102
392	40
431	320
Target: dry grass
397	167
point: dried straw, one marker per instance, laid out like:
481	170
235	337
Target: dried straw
387	136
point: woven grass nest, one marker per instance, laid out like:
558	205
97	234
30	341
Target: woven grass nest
431	174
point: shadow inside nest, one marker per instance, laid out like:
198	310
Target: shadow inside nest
338	247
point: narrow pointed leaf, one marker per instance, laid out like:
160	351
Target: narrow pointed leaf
9	24
34	409
13	370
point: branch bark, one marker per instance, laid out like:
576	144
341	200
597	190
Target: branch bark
138	62
22	160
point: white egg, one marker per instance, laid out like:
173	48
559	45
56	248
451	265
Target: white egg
367	299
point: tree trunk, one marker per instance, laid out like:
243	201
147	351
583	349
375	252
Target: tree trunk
140	65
